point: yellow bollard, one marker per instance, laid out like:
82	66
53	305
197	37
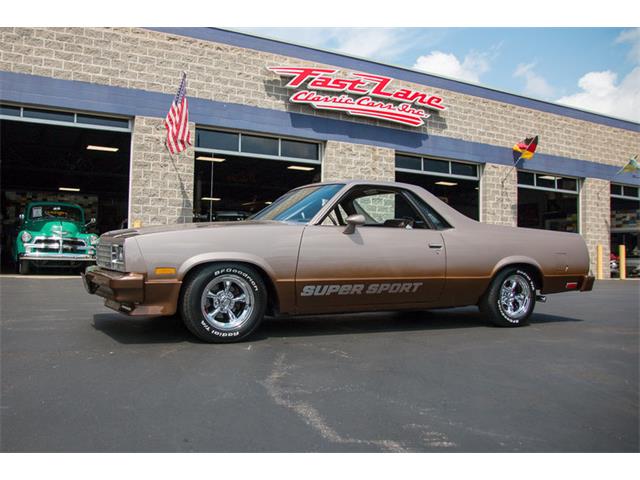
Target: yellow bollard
622	253
599	273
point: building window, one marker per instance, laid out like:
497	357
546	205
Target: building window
222	141
625	227
547	201
237	174
63	118
455	183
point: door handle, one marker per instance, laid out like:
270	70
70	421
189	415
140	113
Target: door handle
435	245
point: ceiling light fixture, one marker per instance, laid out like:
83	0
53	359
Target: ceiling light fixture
447	184
210	159
99	148
546	177
301	168
69	189
211	199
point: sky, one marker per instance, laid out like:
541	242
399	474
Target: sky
596	69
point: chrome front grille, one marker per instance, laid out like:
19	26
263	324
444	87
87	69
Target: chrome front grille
103	255
58	245
107	255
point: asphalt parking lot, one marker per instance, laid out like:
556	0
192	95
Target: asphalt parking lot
78	377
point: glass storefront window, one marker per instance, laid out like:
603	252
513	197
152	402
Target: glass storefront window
567	183
461	194
237	186
525	178
455	183
547	210
465	169
439	166
625	228
260	145
217	140
545	181
48	115
296	149
9	110
408	162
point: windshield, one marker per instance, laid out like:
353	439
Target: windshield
299	205
56	212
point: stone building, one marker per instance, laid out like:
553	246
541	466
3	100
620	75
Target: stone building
82	112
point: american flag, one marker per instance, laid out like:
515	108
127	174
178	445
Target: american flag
177	121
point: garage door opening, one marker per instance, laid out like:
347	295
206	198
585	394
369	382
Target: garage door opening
455	183
238	174
52	162
547	202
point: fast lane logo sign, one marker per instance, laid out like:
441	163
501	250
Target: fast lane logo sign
355	96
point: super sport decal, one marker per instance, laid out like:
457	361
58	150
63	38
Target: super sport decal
359	289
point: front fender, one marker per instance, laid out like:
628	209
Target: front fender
224	257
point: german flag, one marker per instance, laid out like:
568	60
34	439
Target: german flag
525	149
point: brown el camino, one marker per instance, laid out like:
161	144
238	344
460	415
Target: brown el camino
349	246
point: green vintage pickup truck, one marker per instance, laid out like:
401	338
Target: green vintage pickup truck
53	234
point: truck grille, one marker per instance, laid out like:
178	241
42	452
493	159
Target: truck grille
58	245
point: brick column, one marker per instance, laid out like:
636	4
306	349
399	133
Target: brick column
595	220
499	195
161	186
351	161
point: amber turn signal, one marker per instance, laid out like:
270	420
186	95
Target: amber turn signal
165	271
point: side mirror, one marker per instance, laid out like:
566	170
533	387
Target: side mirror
352	221
21	217
91	222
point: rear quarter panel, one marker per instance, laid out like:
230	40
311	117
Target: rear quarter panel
476	252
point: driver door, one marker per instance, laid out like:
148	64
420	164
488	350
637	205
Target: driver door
395	258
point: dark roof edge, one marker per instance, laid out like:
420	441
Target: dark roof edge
255	42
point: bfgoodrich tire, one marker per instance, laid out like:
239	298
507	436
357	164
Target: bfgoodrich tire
511	298
223	302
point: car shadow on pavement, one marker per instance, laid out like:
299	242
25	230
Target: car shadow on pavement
146	330
139	330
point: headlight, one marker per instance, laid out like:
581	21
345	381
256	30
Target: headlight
93	239
25	237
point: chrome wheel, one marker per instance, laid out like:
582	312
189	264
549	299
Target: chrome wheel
227	302
515	296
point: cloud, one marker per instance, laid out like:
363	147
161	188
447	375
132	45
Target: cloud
384	44
535	84
601	93
470	69
631	36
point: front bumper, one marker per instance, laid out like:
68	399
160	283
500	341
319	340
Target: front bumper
67	257
132	293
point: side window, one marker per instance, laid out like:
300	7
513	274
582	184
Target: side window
386	209
434	217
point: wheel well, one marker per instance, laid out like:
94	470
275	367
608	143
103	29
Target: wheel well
532	270
273	303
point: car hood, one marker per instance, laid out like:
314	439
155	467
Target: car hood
132	232
56	228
